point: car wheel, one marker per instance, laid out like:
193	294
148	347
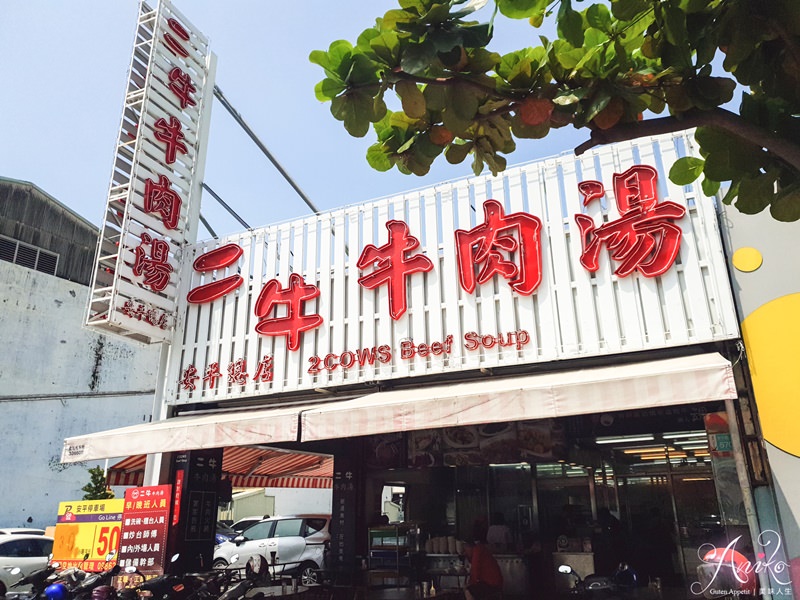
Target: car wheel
309	574
2	589
220	563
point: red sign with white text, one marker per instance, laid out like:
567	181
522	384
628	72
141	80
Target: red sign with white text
145	522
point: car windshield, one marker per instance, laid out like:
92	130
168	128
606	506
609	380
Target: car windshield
224	529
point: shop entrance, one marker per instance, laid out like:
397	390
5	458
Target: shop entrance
651	500
645	487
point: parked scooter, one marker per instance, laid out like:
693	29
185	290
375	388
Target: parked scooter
189	586
93	586
38	580
619	585
256	575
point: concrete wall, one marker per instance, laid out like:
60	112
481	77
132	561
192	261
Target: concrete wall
58	379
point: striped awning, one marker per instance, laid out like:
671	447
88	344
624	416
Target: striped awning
248	467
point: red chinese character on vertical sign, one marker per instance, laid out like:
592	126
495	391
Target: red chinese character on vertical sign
219	258
189	377
237	372
264	371
155	266
159	197
392	265
644	238
173	44
488	245
181	85
171	134
295	322
212	374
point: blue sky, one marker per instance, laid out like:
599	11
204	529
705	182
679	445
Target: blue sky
63	76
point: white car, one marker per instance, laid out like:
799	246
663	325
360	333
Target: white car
28	552
21	530
296	545
246	522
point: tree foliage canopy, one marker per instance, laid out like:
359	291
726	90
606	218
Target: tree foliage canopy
97	489
611	64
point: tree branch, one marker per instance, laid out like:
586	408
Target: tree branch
447	81
720	118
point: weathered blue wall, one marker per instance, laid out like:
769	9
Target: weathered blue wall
58	379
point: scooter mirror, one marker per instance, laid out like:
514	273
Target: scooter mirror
130	569
566	569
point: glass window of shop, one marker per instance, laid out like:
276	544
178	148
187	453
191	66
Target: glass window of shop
648	487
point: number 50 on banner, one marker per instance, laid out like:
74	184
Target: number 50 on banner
86	532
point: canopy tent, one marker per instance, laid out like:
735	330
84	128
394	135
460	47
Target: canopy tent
248	466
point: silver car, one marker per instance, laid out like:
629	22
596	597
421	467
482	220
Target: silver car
28	552
294	544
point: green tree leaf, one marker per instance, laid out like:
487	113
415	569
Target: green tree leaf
354	110
786	204
710	188
599	17
386	47
456	153
412	98
756	193
685	170
464	101
521	9
328	89
627	10
378	159
570	24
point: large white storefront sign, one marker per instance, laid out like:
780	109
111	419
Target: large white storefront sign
153	201
563	258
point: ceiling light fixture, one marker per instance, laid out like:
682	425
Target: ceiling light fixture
624	439
685	434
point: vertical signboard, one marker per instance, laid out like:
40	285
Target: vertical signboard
86	532
196	475
153	200
145	523
345	499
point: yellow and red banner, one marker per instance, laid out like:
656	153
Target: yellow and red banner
86	532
